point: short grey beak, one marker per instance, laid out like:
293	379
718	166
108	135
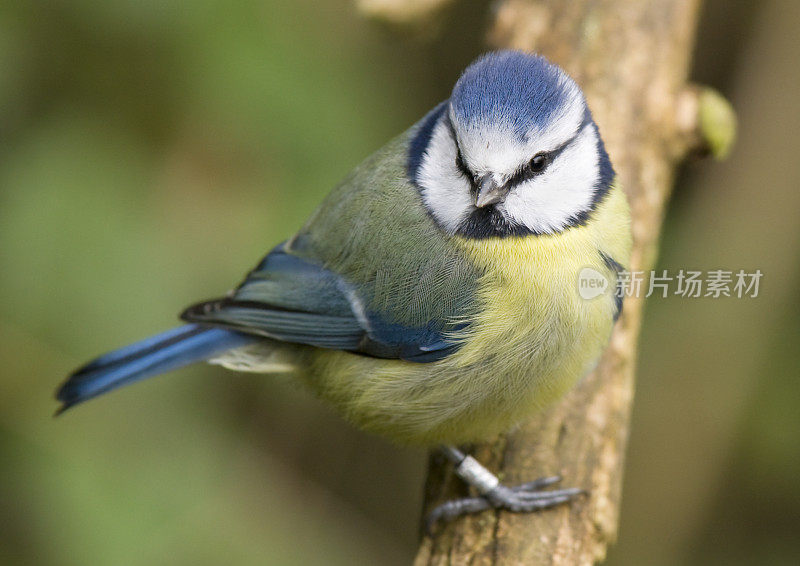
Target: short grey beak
489	192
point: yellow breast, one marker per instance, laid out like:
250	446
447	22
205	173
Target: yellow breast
533	319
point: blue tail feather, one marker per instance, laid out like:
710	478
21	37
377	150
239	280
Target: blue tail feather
161	353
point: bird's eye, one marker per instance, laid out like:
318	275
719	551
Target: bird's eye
538	163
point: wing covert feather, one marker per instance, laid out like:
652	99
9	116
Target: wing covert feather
369	272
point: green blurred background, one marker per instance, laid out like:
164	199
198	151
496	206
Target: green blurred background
151	152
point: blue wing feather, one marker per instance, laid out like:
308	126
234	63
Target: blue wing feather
295	300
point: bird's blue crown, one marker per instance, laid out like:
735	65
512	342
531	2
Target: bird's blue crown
524	91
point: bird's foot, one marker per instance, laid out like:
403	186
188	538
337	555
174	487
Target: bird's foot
523	498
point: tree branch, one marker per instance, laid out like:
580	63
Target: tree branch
404	14
632	60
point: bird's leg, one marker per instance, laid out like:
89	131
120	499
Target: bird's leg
522	498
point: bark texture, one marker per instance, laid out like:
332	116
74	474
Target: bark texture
632	59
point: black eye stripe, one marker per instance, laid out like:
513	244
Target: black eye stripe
525	172
462	166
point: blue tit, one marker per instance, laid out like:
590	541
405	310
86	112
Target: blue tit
433	296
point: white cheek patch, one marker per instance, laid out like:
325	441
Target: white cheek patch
547	203
551	201
445	191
